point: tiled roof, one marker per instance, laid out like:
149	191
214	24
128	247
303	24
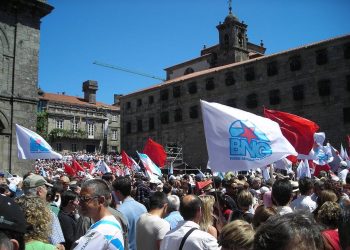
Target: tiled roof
66	99
204	72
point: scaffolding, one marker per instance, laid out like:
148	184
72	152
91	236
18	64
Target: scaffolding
174	155
175	158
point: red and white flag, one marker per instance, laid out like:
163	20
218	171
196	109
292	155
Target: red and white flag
298	130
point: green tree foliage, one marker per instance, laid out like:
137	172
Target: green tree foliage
42	124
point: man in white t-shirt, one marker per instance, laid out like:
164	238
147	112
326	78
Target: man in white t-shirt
304	201
191	210
151	228
106	233
343	171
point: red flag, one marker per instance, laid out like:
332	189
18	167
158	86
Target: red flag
298	130
156	152
69	170
76	166
86	164
292	158
125	160
202	184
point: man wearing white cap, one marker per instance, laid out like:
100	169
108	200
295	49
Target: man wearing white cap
343	171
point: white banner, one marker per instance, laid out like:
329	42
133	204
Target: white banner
32	146
238	140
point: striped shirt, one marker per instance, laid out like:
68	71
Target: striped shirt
105	234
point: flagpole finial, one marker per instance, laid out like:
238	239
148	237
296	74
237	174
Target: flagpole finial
230	6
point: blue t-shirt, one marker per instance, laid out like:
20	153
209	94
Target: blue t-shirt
174	218
132	211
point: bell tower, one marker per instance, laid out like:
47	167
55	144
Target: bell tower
232	39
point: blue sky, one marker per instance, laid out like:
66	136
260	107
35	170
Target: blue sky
148	36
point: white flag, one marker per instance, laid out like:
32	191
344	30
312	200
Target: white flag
343	153
336	159
303	169
239	140
32	146
265	173
319	138
284	164
149	164
104	168
323	155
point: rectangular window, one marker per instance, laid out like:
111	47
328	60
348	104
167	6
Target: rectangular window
274	96
252	101
114	118
295	63
128	127
91	130
150	99
347	51
74	147
164	95
128	105
75	125
272	69
59	147
321	57
324	87
164	117
298	92
139	102
348	82
346	115
114	134
229	80
59	124
176	91
194	112
192	88
151	123
210	85
139	125
249	74
178	115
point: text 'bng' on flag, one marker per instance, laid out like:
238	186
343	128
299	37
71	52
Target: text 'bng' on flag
240	141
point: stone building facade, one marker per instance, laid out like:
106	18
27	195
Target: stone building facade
312	81
81	124
19	51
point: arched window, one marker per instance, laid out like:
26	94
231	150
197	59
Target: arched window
240	39
226	41
188	71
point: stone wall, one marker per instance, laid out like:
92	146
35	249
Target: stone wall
19	50
325	86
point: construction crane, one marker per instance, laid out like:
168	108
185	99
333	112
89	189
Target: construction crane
127	70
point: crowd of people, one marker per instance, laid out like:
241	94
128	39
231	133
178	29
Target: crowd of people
180	211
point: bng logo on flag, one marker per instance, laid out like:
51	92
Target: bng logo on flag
247	142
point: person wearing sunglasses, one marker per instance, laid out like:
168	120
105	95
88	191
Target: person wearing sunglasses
106	232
